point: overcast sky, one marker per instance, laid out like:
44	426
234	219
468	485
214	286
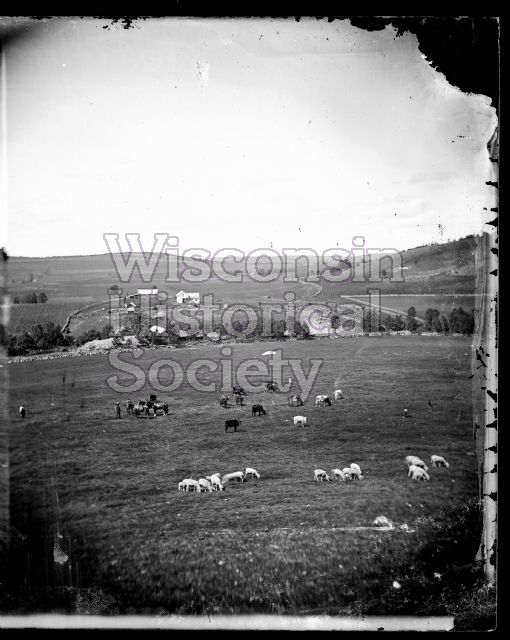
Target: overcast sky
236	133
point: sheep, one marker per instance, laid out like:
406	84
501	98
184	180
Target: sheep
205	484
356	474
338	394
337	473
236	475
418	473
320	475
348	473
418	462
253	473
181	486
438	461
214	475
216	484
356	467
299	420
191	485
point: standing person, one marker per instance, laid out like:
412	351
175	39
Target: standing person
406	413
290	384
117	409
22	411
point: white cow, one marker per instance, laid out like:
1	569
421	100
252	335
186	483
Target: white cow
337	473
438	461
205	484
253	473
418	473
418	462
299	420
320	475
338	394
238	476
321	400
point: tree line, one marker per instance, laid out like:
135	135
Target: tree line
32	297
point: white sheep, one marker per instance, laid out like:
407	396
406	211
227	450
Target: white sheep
337	473
418	473
181	486
253	473
320	475
356	467
338	394
191	485
438	461
238	476
418	462
299	420
216	484
348	472
205	484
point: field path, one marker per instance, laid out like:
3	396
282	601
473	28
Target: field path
386	309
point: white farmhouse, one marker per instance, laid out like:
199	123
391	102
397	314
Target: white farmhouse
183	298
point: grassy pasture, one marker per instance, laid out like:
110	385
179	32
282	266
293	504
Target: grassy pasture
277	544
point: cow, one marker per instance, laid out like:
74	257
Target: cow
299	421
224	400
295	401
232	424
257	410
320	401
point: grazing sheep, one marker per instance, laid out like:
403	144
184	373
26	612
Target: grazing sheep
418	462
191	485
322	400
338	394
253	473
181	486
216	484
356	467
438	461
418	473
205	484
320	475
299	420
356	474
348	472
337	473
238	476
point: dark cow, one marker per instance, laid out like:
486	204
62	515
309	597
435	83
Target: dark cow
232	424
296	401
238	390
257	410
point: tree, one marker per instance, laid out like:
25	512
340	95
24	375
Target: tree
42	297
411	323
16	300
105	331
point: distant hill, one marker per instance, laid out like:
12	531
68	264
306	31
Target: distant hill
438	268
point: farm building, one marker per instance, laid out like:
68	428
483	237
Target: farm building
135	299
182	297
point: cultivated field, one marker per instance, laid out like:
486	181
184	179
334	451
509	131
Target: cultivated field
24	316
284	543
